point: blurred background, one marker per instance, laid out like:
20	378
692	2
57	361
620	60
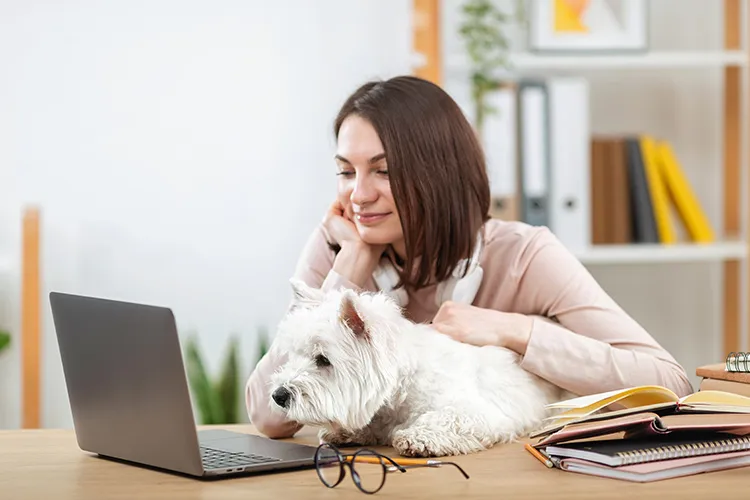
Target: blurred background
179	153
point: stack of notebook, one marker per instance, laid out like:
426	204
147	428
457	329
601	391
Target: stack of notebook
731	376
647	433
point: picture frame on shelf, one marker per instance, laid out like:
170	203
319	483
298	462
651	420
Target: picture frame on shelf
588	26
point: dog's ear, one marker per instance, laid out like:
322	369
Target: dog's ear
349	315
304	295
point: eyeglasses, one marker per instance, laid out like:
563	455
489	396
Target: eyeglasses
368	468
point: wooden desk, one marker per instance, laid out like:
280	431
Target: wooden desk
38	464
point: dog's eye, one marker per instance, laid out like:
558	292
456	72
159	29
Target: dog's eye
322	361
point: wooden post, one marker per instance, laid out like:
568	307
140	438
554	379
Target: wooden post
30	321
426	39
732	178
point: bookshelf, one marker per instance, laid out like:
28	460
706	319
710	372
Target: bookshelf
653	60
732	61
663	254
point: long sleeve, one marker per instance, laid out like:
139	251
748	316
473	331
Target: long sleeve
593	345
314	268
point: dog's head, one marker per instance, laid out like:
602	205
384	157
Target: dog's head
341	366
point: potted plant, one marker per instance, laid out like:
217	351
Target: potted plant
4	340
484	32
218	400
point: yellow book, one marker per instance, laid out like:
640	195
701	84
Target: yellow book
657	190
682	196
640	399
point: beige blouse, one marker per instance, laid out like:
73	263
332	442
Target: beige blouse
581	340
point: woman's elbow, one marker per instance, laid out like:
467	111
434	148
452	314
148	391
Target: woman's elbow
272	427
264	420
676	379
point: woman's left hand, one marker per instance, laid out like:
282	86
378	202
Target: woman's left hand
482	327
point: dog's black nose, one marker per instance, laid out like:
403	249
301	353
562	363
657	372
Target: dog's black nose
282	396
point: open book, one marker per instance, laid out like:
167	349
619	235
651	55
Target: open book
651	398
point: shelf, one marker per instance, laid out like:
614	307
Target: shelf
649	253
660	60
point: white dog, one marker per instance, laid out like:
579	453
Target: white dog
365	374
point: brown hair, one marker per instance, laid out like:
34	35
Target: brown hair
436	168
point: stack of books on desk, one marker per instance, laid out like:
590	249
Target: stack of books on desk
651	434
731	376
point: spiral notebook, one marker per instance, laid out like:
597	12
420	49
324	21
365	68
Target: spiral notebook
657	471
618	452
738	362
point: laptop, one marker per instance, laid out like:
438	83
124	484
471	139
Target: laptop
129	396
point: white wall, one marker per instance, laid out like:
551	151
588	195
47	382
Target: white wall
679	304
181	152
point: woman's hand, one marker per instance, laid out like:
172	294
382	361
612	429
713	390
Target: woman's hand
356	260
338	225
482	327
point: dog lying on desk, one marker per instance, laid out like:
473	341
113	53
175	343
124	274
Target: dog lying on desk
365	374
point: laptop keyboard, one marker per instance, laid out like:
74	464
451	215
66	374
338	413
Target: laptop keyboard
220	459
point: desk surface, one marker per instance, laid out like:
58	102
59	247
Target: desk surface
48	464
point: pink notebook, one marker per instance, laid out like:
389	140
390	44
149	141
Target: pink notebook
657	471
650	424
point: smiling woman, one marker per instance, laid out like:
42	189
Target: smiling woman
386	169
410	220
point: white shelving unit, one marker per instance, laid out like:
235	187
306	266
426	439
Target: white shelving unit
663	254
727	298
527	61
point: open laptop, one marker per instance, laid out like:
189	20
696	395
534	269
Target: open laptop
129	396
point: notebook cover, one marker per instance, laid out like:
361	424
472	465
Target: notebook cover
651	424
659	470
618	452
718	371
712	384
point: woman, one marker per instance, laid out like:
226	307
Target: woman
411	219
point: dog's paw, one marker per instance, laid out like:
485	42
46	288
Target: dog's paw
336	438
422	442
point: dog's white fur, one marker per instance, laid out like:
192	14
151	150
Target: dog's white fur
393	382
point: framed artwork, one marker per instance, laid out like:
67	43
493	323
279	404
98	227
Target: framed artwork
572	26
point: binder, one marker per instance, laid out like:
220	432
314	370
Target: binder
682	196
570	160
619	209
657	191
500	145
533	128
644	223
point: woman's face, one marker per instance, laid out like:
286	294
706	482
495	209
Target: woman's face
364	189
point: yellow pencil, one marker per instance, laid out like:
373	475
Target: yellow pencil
539	456
401	461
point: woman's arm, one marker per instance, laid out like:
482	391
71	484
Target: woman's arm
591	346
594	345
319	269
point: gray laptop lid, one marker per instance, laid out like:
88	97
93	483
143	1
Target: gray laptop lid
126	381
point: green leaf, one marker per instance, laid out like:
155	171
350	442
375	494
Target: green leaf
206	397
263	343
4	340
228	386
483	29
